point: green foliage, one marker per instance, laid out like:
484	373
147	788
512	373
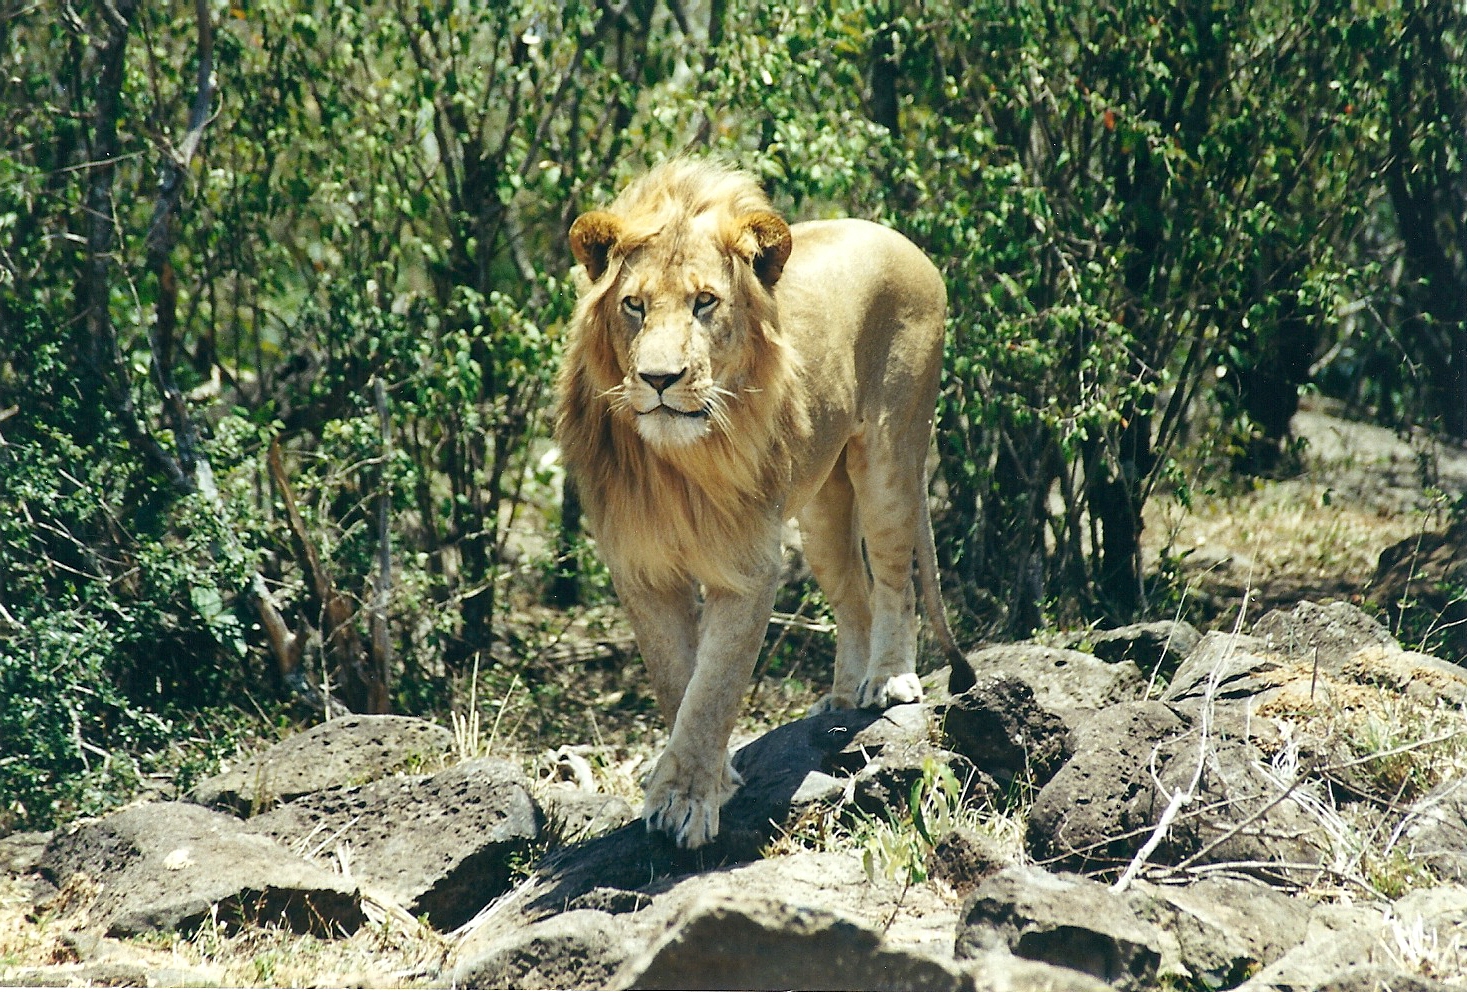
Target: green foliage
1135	208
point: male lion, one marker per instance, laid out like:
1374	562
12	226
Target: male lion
725	372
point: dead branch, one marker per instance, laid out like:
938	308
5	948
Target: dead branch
339	635
380	665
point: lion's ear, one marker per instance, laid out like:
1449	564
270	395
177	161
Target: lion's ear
592	237
771	243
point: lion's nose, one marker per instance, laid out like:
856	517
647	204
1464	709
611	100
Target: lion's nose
661	380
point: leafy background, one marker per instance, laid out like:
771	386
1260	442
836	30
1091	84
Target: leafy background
335	230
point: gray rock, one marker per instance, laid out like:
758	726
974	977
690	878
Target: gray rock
1337	939
574	814
729	942
1000	726
1379	978
349	750
1225	928
579	949
440	846
169	866
1241	813
886	759
962	858
21	852
1335	631
1157	647
1087	816
1066	921
1062	679
1224	666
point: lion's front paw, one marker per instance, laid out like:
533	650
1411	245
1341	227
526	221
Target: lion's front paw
683	799
879	693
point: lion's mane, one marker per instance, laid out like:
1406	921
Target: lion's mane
689	513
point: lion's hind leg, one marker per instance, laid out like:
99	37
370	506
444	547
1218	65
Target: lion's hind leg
831	539
889	510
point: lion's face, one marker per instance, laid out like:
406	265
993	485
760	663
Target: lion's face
677	338
676	316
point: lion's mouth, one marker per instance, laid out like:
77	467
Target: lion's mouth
673	411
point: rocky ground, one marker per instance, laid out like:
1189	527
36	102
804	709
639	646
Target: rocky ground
1273	804
1280	809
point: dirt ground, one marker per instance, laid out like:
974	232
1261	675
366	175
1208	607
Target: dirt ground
1316	535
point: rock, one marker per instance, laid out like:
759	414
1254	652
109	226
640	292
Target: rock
169	866
1066	921
891	755
575	814
1000	726
1241	811
349	750
1420	579
1335	632
1436	836
963	858
729	942
1156	648
1224	666
440	846
1062	679
1087	815
1337	939
1225	928
1409	673
579	949
1379	978
21	852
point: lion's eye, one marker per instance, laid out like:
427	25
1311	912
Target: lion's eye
703	304
632	306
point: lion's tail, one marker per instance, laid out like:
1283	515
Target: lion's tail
962	676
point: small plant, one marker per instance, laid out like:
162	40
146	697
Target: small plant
899	846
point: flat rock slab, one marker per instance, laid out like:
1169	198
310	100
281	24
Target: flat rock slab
733	942
349	750
1212	934
1159	646
1062	679
169	866
440	846
1333	632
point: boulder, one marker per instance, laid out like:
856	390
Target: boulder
170	866
1241	812
1209	934
1225	928
1156	648
723	941
1420	579
349	750
999	725
440	846
1063	920
887	758
1087	815
1436	836
1334	632
578	949
573	814
1224	666
1062	679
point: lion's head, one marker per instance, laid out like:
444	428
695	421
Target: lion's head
679	308
677	394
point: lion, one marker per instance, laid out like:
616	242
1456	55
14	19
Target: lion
724	372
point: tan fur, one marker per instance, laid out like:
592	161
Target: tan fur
725	372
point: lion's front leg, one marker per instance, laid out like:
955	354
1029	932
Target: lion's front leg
694	777
665	622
